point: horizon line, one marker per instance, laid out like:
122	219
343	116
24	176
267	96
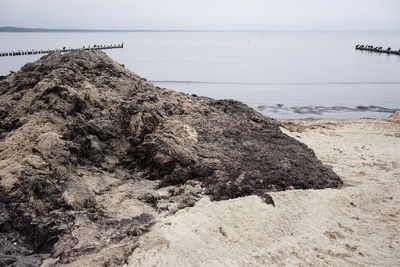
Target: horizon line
27	29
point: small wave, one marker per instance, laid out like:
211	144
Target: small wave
319	110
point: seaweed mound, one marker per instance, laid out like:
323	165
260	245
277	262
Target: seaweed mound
90	153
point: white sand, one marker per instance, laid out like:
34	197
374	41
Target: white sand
357	225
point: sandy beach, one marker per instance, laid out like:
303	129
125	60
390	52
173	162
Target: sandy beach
356	225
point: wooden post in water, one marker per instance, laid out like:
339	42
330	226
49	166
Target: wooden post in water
377	49
63	50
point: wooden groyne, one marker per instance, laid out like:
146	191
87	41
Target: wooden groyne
378	49
64	50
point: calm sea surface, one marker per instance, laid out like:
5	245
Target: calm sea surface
283	74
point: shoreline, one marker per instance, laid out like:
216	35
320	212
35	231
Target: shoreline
281	111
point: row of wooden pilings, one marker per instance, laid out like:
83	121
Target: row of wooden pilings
64	49
378	49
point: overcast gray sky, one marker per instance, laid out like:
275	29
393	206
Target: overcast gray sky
203	14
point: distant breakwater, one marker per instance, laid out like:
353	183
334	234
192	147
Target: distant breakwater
64	50
378	49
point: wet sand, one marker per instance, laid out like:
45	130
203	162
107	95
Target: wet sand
356	225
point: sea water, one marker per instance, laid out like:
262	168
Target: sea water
283	74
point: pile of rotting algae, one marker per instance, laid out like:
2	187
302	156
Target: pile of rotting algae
91	154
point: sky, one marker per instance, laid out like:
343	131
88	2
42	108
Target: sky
203	14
